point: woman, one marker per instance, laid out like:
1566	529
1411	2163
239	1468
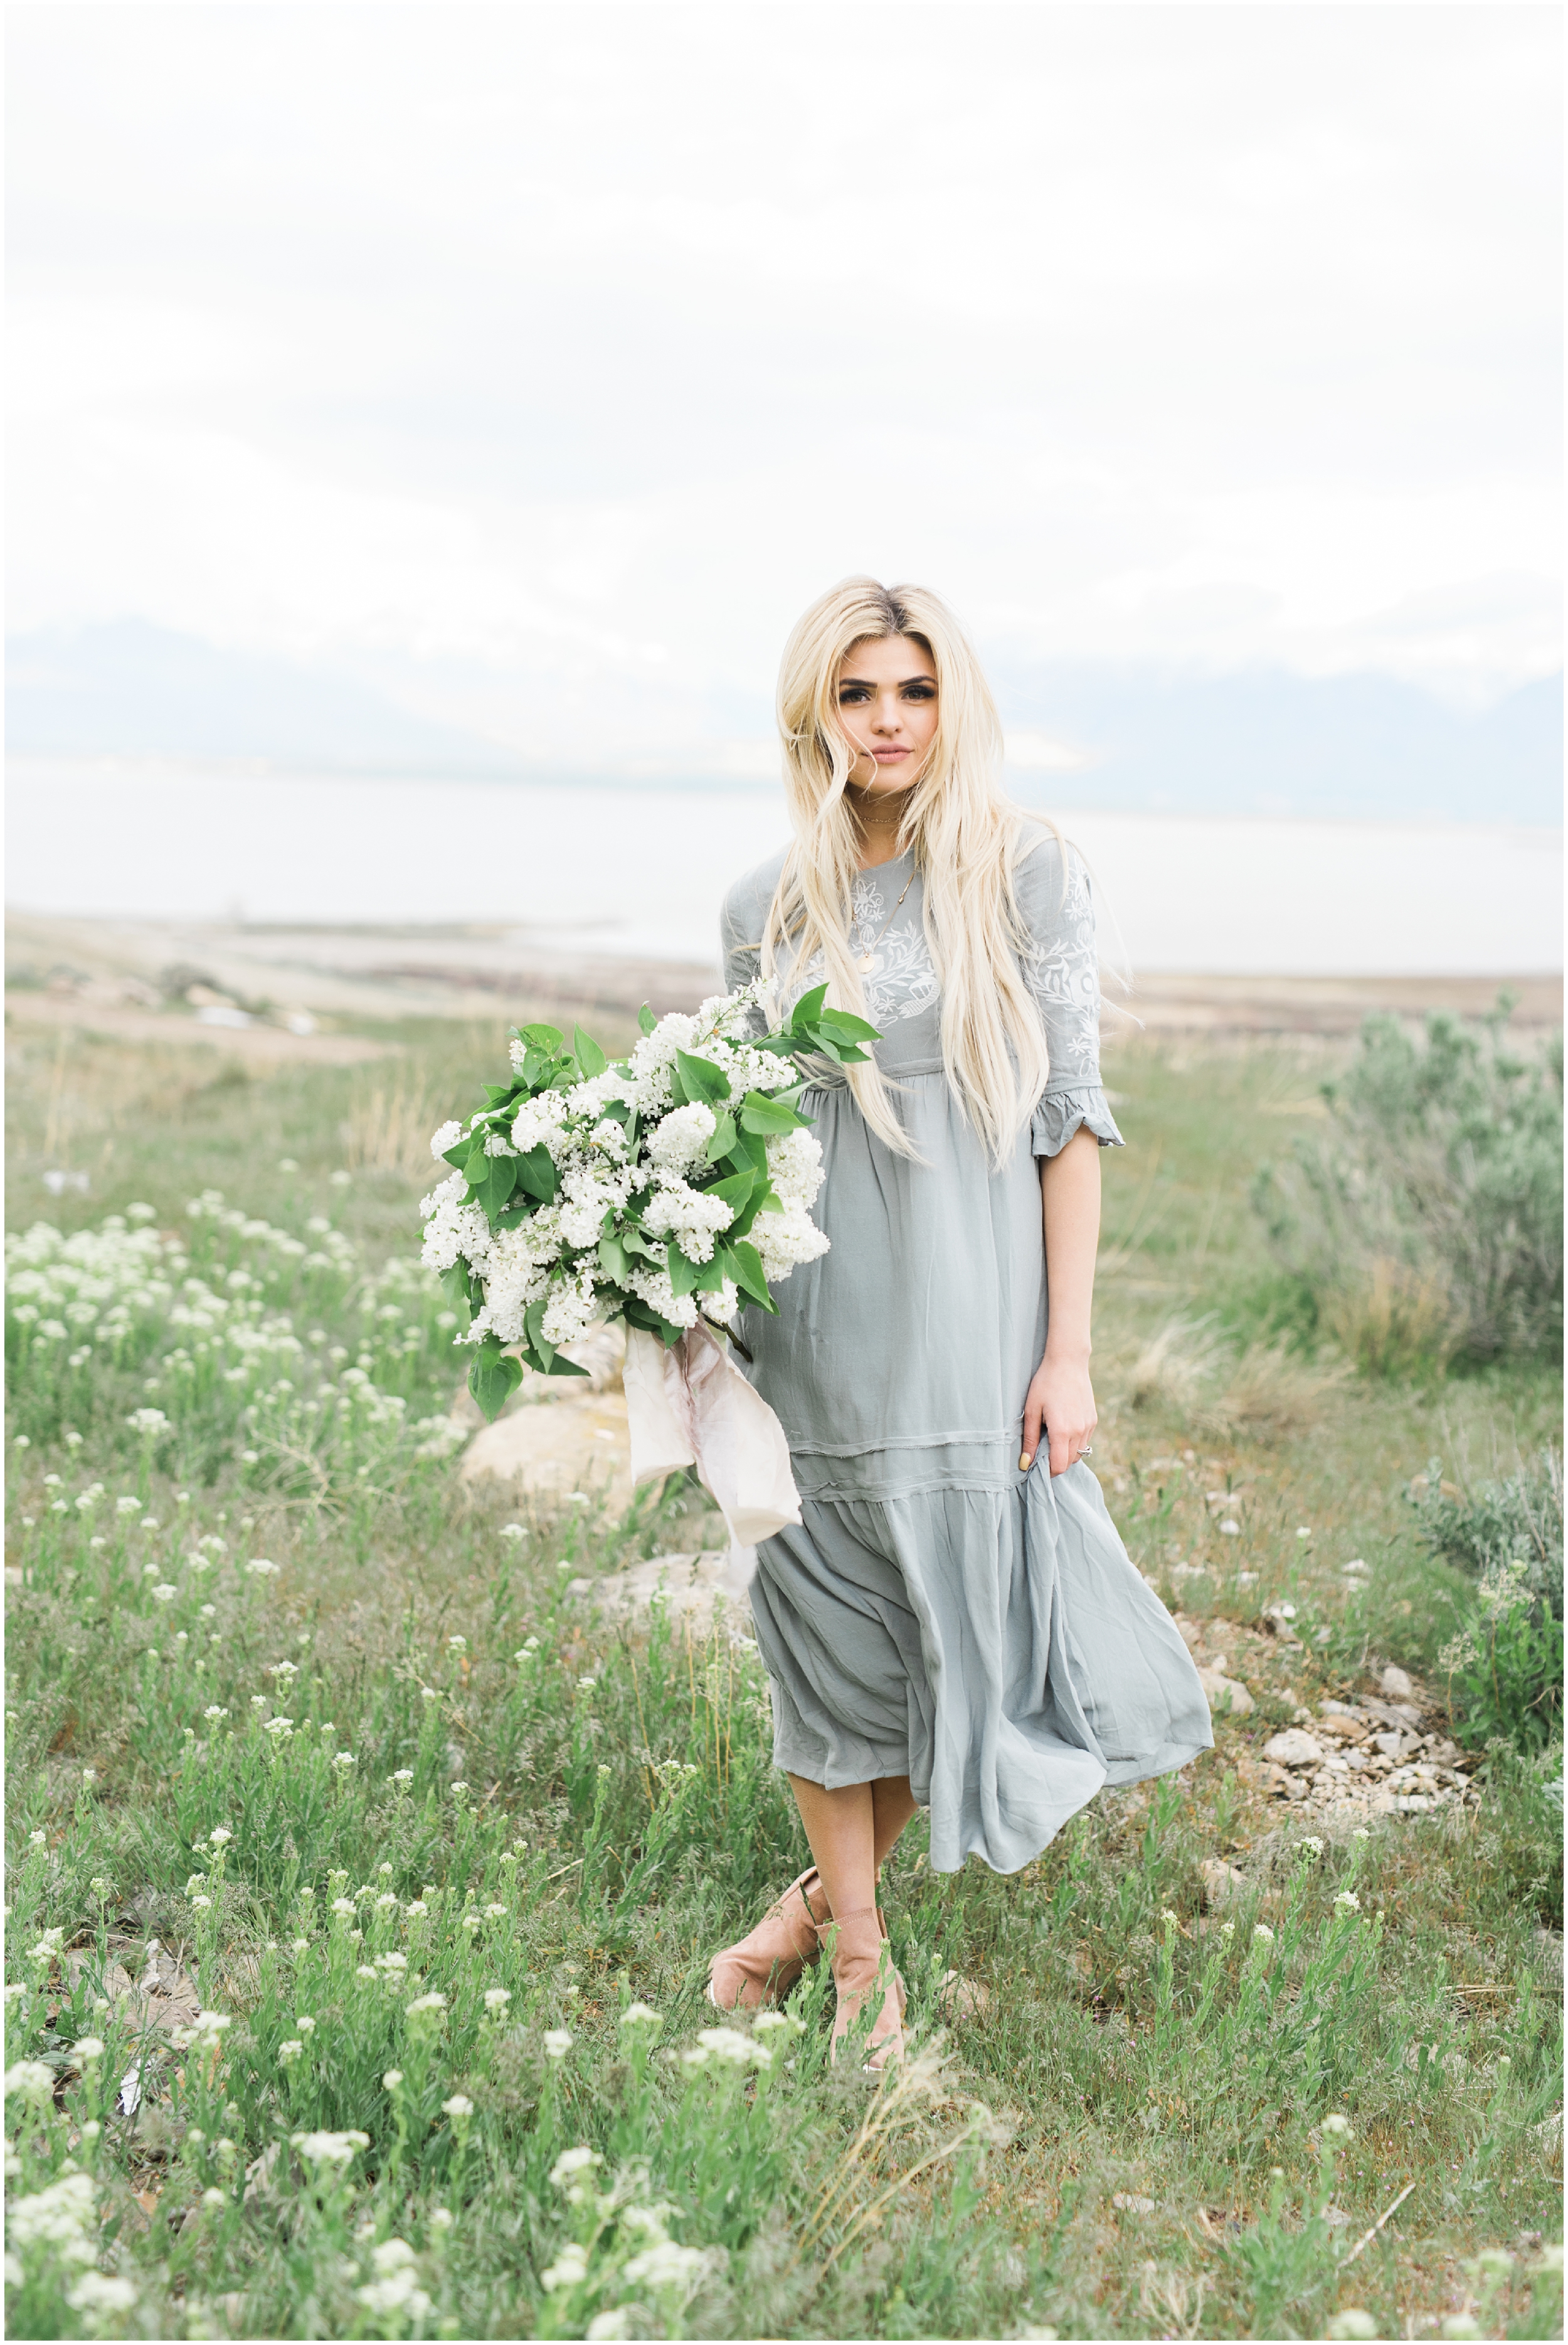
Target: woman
955	1623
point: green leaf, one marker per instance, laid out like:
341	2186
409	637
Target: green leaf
683	1274
536	1173
734	1191
453	1281
761	1114
560	1366
723	1138
806	1010
615	1260
457	1156
587	1053
647	1019
547	1039
533	1328
856	1030
502	1182
703	1080
494	1376
748	1273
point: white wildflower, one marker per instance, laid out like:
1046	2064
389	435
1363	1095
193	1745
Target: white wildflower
569	2269
329	2148
573	2161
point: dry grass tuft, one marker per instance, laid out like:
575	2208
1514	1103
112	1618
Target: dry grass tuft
1268	1395
1271	1394
1175	1364
389	1125
1394	1319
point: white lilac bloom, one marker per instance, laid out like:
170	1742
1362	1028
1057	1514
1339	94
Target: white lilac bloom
447	1137
692	1217
795	1166
655	1290
784	1239
572	1310
538	1124
680	1139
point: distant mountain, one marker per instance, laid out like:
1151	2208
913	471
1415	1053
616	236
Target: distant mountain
1357	747
1126	739
128	689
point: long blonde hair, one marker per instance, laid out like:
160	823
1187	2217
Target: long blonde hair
966	834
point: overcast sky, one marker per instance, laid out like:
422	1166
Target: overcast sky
538	364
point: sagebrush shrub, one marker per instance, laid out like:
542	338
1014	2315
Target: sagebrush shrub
1427	1222
1498	1523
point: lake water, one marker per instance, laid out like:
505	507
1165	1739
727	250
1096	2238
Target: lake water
643	870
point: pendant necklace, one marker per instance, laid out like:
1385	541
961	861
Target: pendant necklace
866	961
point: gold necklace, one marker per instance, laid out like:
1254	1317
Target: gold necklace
867	958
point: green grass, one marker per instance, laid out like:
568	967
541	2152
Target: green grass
613	1794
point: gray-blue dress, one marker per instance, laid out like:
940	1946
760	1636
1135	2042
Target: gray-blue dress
939	1614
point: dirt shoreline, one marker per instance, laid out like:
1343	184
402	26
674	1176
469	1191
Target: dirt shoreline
132	978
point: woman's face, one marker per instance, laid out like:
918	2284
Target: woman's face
887	706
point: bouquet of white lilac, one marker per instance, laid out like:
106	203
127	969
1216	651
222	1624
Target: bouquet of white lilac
657	1189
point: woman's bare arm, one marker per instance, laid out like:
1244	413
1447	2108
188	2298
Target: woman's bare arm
1060	1398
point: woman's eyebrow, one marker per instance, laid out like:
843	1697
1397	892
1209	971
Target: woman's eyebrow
867	684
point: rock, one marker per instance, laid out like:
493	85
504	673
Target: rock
962	1998
1294	1748
1190	1632
1277	1620
1221	1882
691	1584
1395	1685
1226	1695
559	1449
1127	2202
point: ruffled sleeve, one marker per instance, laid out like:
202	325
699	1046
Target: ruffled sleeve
1061	1113
1061	970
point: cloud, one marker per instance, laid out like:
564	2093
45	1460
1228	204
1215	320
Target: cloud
536	366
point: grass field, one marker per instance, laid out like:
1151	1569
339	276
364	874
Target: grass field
393	1873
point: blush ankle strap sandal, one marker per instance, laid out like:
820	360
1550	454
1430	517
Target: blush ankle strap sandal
864	1977
763	1966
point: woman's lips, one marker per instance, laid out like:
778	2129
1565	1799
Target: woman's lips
888	756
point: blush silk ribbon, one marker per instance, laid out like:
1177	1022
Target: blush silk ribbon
691	1406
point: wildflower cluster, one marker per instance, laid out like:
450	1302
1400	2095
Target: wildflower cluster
659	1188
198	1342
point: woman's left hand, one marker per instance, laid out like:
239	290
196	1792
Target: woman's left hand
1060	1401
